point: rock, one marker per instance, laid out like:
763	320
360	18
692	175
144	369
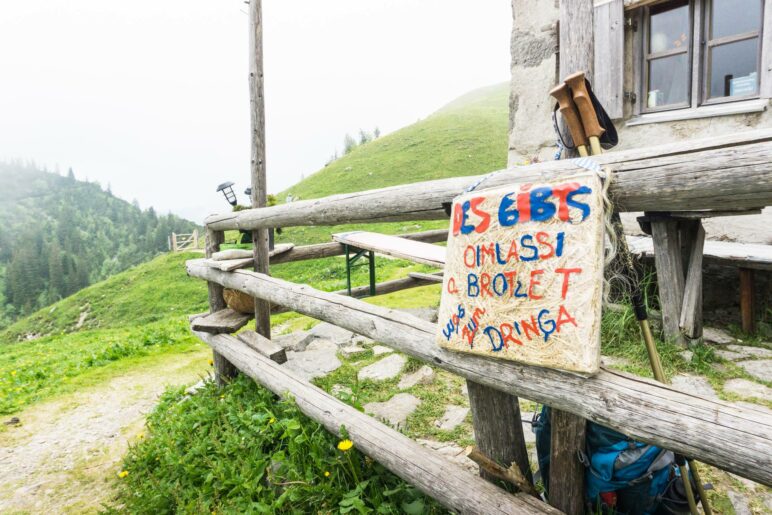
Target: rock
748	389
296	342
331	332
322	345
394	411
361	340
387	368
352	350
686	355
747	350
312	363
760	369
614	362
382	349
713	335
338	389
739	503
454	415
728	355
528	433
424	375
695	385
452	452
465	390
428	314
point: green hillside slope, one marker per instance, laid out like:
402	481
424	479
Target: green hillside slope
466	137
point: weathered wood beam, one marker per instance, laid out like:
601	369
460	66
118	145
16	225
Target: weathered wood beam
711	173
223	371
430	472
223	321
731	437
394	246
264	346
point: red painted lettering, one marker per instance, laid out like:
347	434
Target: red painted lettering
534	282
566	274
564	318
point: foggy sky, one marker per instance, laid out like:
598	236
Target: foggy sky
150	96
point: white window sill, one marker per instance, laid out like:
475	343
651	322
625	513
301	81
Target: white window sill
748	106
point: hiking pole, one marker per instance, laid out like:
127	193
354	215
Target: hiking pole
583	102
571	116
589	121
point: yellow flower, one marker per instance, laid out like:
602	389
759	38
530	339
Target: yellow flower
13	372
141	436
272	420
345	445
211	362
222	397
326	473
123	473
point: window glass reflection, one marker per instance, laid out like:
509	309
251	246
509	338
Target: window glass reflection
730	17
733	69
669	27
668	80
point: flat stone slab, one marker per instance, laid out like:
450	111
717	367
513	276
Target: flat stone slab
729	355
424	375
382	349
322	345
387	368
760	369
453	417
719	336
296	342
528	434
748	389
739	503
747	350
452	452
312	363
686	355
328	331
358	339
394	411
352	350
695	385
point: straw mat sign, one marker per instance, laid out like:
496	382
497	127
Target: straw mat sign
524	272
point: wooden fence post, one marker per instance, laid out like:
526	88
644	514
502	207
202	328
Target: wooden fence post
576	53
498	429
670	276
223	369
195	238
746	300
257	165
174	242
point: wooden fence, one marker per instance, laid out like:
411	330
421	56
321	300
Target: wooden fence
713	173
182	242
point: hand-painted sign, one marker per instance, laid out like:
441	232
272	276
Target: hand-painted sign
524	274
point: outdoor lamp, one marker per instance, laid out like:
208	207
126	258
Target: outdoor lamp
227	190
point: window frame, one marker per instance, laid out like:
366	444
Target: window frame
699	16
647	57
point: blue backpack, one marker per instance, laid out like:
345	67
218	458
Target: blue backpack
623	476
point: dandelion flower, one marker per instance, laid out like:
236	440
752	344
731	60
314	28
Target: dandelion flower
141	436
345	445
272	420
13	372
123	473
211	362
222	397
326	473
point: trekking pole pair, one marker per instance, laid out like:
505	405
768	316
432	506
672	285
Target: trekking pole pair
580	109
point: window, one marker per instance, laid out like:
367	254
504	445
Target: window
700	52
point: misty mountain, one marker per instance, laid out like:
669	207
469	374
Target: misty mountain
59	234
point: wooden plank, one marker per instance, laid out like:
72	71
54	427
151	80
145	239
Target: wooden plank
708	173
223	370
454	487
691	309
731	437
609	33
257	163
227	264
223	321
498	428
746	301
670	276
568	436
746	255
435	278
236	254
394	246
264	346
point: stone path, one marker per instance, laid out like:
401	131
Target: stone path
394	411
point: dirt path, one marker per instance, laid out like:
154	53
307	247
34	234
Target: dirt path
66	451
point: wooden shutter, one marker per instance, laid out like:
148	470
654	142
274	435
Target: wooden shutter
609	29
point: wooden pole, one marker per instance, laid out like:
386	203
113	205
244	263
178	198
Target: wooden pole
223	370
670	276
732	437
498	429
257	165
566	492
746	301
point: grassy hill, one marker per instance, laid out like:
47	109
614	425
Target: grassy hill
466	137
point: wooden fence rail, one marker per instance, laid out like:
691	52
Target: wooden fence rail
734	438
711	173
426	469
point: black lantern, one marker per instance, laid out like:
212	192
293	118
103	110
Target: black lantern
227	190
248	193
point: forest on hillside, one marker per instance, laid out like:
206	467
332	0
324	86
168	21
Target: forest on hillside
59	234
